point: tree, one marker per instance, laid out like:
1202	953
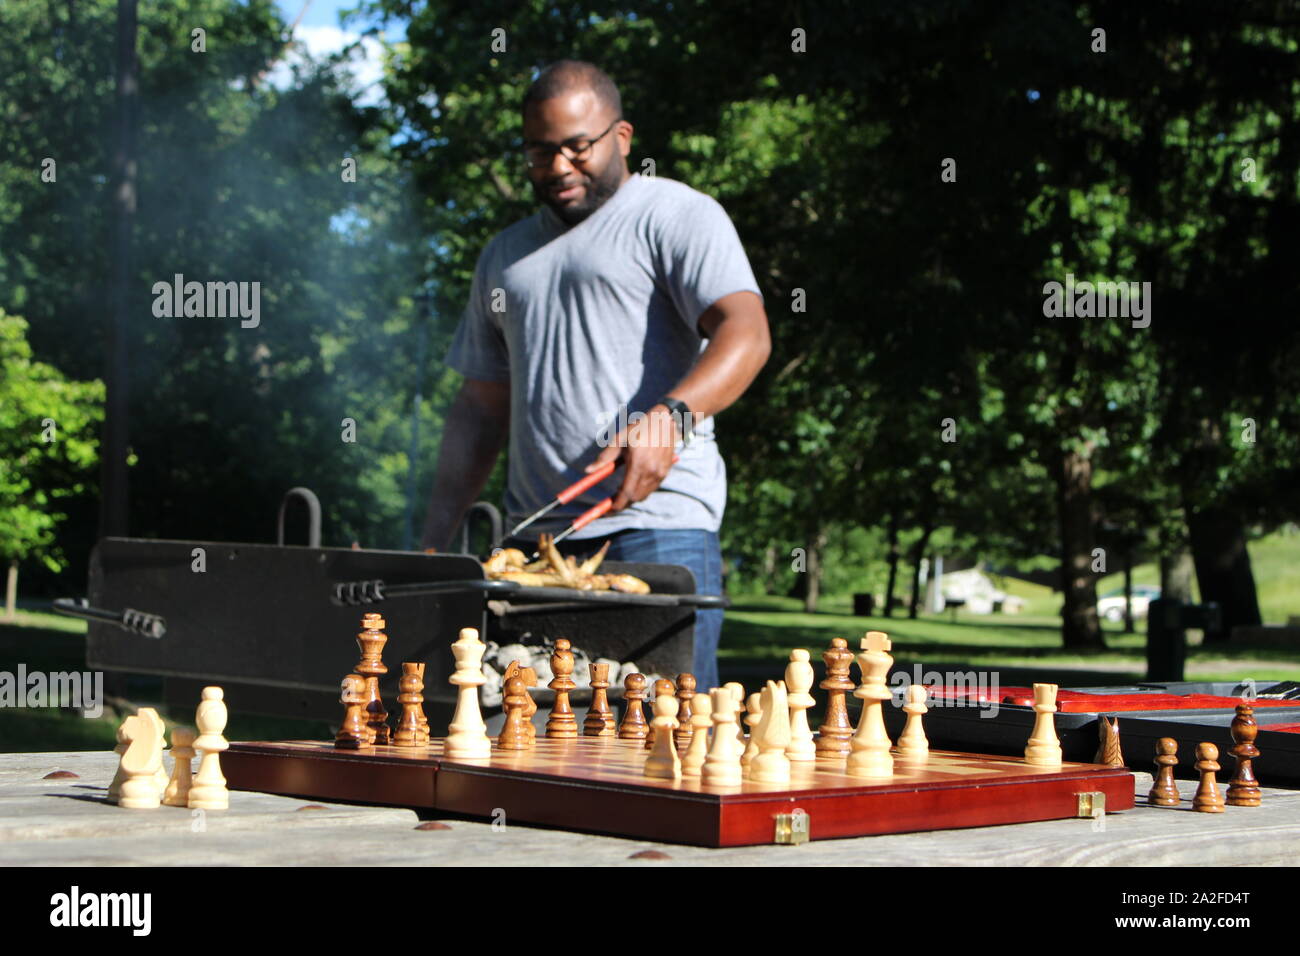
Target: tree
47	451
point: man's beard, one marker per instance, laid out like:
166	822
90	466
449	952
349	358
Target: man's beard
597	191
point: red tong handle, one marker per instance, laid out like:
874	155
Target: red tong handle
591	514
581	485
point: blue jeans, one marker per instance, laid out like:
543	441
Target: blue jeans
696	550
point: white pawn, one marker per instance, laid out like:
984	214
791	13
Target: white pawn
698	750
467	736
912	742
798	681
771	765
177	793
140	763
663	760
208	791
753	717
1044	747
722	765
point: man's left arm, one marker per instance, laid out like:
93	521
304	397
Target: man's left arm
739	345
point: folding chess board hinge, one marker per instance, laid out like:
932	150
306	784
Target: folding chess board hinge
792	828
1090	805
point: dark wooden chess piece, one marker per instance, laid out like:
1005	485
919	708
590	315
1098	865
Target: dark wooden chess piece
530	680
662	686
352	735
514	733
835	733
685	692
1207	799
371	641
1164	792
562	723
1243	788
600	720
633	725
409	687
424	721
1108	749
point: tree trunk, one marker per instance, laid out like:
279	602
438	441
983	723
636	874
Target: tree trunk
1176	572
1079	627
114	495
893	565
917	557
11	591
1218	541
769	567
816	544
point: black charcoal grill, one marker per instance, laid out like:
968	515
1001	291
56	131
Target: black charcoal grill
275	624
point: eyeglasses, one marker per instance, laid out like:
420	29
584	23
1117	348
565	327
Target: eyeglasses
541	155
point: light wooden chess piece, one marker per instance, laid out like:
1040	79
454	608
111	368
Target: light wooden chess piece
912	742
562	723
1044	747
698	752
177	793
161	729
115	787
753	717
140	762
870	743
738	691
208	791
600	719
722	765
410	697
353	733
467	736
663	688
663	761
771	765
799	678
1207	799
835	732
143	757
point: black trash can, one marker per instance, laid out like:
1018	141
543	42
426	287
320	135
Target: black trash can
864	605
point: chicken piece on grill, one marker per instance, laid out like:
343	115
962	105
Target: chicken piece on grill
553	570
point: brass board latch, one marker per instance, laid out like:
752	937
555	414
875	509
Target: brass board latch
1091	805
791	828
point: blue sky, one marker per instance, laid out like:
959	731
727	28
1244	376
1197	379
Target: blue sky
325	13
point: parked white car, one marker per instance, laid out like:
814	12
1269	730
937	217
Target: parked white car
1110	605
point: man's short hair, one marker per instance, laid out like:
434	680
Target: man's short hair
569	76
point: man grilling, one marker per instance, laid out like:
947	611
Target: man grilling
623	294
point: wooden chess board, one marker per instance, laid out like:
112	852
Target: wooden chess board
596	784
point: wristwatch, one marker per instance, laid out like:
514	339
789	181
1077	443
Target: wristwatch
685	419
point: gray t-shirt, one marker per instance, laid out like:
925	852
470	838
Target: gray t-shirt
586	319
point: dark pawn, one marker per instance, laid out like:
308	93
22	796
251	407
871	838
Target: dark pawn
633	726
1164	792
1243	788
685	693
1207	799
352	735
